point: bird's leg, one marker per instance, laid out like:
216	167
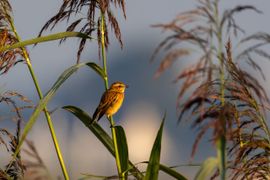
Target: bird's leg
112	125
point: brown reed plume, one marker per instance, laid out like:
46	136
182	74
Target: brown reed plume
15	168
250	136
7	37
35	168
225	100
88	23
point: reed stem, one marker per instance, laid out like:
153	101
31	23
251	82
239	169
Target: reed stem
104	60
221	143
47	115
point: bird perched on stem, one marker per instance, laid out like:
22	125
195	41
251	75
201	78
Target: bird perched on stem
111	101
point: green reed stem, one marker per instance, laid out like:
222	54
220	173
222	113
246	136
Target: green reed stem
47	115
104	59
103	50
221	143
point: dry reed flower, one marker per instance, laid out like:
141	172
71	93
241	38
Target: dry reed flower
89	22
35	168
15	169
225	99
10	57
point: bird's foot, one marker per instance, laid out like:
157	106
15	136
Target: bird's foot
112	126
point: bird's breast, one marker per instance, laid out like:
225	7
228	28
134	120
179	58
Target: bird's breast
115	106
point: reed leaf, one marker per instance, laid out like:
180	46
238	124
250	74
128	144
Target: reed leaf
123	149
101	134
153	165
171	172
49	95
41	39
207	168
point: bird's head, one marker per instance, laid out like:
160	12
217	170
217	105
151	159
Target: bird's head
118	86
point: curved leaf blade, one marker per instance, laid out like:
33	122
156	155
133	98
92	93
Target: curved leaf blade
122	148
207	168
153	165
101	134
41	39
171	172
95	128
97	69
44	101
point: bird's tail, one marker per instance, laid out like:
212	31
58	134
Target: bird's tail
95	116
92	121
99	112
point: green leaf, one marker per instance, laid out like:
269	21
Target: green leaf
207	168
50	37
44	101
122	148
97	69
171	172
95	128
101	134
153	165
96	177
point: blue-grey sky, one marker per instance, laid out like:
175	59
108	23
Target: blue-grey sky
146	99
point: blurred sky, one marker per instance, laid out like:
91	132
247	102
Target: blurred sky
146	99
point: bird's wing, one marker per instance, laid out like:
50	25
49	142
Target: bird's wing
108	98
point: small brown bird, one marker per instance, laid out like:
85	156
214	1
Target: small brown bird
111	101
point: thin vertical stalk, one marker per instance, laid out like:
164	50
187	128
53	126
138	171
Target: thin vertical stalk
104	60
47	115
221	143
103	50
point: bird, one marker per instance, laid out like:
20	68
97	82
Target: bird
110	101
